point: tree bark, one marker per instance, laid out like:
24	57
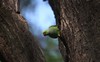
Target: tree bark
16	43
80	30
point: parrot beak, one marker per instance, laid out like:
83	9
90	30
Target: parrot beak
44	33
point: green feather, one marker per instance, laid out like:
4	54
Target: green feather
53	31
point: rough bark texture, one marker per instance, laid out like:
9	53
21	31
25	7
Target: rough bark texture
16	42
80	29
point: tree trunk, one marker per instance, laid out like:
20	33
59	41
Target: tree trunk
80	30
16	42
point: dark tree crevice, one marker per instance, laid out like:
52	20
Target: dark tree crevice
2	58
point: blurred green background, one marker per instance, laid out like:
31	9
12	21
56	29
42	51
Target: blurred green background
51	51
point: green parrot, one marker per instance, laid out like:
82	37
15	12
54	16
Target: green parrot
53	31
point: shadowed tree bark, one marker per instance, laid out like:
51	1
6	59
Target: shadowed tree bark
16	42
80	29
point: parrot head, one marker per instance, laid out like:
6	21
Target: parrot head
45	33
53	31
